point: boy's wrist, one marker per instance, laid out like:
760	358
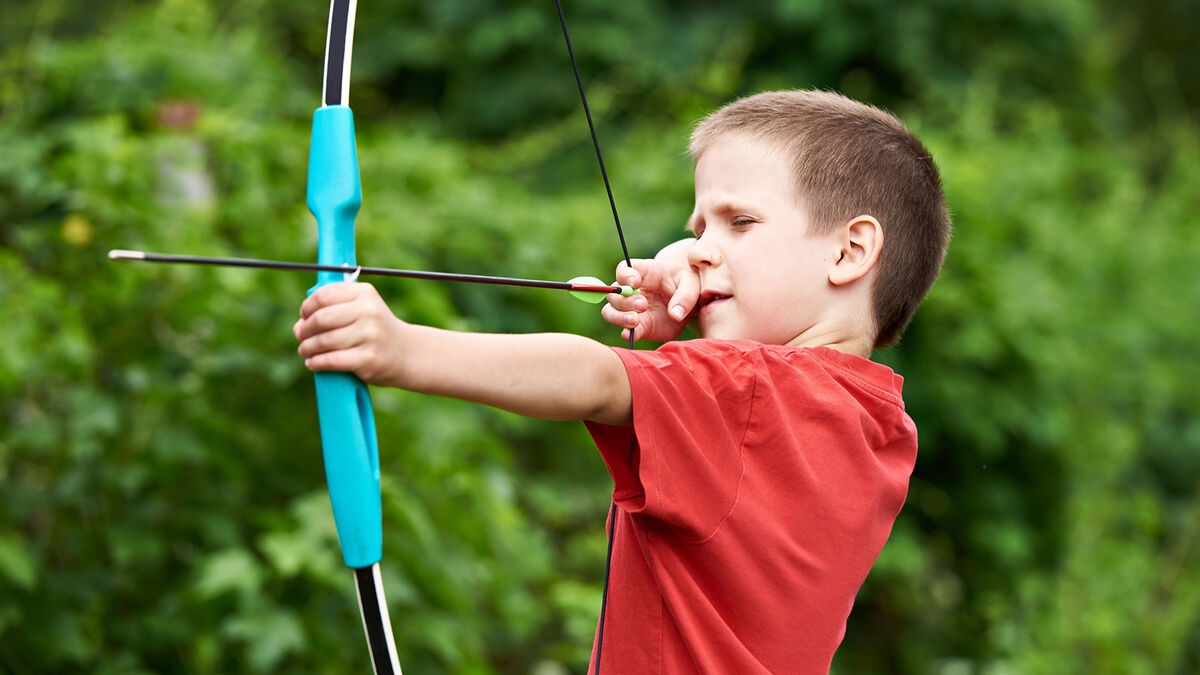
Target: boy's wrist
413	356
675	253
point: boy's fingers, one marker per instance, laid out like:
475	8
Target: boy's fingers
684	299
339	339
316	300
612	315
638	332
324	319
633	303
333	294
345	360
618	316
629	276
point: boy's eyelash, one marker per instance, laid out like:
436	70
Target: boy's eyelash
697	229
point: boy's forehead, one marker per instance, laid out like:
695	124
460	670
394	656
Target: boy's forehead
739	173
736	162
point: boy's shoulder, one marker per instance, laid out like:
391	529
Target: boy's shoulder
805	371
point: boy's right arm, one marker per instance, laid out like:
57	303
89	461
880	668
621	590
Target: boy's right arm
668	289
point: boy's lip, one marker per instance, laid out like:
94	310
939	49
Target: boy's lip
709	298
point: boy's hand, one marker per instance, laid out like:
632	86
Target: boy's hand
669	289
348	327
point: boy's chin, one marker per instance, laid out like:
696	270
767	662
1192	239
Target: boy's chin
722	333
716	331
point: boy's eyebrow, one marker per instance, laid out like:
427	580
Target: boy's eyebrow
720	208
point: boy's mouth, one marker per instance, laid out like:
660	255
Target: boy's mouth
710	298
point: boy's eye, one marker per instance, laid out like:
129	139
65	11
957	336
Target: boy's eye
742	222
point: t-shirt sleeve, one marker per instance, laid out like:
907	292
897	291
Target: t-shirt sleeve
681	461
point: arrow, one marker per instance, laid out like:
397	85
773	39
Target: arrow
588	289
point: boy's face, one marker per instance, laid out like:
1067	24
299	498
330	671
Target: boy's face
763	277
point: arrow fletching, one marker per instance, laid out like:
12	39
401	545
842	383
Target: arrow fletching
591	290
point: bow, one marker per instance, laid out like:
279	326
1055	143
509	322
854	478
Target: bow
343	404
346	420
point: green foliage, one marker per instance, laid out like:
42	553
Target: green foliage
163	498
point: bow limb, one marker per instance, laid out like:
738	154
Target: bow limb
343	404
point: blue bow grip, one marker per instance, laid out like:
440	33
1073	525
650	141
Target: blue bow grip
343	404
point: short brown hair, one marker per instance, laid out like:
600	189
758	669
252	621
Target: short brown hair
851	159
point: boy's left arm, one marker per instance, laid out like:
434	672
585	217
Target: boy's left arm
348	327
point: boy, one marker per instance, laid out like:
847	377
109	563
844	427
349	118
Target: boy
757	470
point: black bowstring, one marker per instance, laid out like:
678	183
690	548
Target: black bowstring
612	515
562	20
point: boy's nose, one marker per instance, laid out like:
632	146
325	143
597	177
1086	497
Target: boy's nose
702	252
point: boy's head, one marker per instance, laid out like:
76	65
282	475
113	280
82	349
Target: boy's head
846	161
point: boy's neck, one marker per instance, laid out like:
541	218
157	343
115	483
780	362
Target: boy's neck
858	348
847	342
845	325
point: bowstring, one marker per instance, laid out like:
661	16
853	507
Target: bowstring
612	514
612	203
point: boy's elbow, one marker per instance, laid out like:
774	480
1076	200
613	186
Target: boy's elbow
612	402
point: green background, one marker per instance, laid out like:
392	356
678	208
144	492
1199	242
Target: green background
162	499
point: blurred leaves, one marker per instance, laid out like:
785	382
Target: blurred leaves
160	475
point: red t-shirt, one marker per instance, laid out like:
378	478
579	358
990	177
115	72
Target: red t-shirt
755	490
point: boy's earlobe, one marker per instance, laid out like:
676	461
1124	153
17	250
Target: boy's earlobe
861	240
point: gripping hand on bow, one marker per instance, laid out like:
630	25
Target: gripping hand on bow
668	287
348	327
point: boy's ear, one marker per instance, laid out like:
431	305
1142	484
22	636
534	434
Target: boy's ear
860	240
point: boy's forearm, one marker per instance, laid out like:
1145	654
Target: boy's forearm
547	375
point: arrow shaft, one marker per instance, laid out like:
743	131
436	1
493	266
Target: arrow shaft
142	256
